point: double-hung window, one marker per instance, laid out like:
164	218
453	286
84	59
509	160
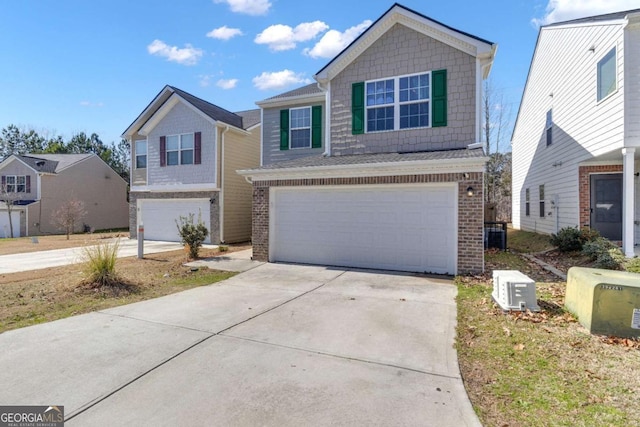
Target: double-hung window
141	154
398	103
15	183
300	127
541	198
527	205
179	149
549	127
607	79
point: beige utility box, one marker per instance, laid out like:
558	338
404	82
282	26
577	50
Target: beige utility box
513	290
606	302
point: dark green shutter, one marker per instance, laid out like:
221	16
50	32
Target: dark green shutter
439	98
284	129
316	126
357	108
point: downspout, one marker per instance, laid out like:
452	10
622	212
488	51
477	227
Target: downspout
326	88
221	203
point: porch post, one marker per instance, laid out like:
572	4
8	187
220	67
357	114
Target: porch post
627	201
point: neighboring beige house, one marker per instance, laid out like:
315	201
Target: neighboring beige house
378	164
40	183
185	152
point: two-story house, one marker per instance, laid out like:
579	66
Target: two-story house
37	185
185	152
575	140
378	164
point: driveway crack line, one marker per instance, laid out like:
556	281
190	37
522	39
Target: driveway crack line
354	359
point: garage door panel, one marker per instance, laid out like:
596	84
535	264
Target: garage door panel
159	217
410	228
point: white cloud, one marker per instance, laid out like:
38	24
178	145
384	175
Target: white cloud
188	55
282	37
248	7
224	33
334	41
91	104
564	10
205	80
279	80
227	83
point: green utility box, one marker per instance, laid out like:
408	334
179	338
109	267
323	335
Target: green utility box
606	302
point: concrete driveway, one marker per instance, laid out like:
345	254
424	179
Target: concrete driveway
277	345
54	258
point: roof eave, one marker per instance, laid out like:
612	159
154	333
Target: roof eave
279	102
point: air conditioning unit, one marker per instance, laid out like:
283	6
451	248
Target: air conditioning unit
513	290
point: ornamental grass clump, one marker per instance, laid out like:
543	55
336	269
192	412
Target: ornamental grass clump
100	268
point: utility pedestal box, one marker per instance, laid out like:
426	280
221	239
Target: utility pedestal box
513	290
606	302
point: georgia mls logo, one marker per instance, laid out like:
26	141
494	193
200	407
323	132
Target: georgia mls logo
32	416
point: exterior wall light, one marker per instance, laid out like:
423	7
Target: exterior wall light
470	191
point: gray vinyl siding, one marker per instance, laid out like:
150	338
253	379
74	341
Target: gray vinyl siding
404	51
18	168
182	119
563	77
271	152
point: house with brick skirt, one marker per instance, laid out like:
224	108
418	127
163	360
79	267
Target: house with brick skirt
576	141
378	165
184	154
39	184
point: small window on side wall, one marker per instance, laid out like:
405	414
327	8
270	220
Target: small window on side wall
141	154
549	127
541	190
607	75
527	206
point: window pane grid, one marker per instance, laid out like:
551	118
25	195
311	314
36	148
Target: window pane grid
179	150
300	121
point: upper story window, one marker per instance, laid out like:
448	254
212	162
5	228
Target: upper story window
141	154
527	195
402	102
180	149
398	103
549	127
301	127
16	183
607	79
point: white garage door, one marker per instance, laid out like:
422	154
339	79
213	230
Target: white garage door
392	227
5	231
159	216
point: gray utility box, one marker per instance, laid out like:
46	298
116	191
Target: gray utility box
513	290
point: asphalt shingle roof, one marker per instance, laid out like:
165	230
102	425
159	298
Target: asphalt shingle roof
318	161
211	110
249	117
597	18
40	164
310	89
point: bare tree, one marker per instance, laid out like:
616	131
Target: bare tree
497	119
8	196
68	215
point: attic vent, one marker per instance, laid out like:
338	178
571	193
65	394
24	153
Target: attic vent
40	163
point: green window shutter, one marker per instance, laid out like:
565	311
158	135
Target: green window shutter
439	98
316	126
284	129
357	108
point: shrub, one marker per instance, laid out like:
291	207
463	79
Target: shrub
604	253
568	239
632	265
192	233
100	263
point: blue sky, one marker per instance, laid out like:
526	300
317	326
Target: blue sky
93	66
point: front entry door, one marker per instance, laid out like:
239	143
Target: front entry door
606	205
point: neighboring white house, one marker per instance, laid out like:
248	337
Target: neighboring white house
576	138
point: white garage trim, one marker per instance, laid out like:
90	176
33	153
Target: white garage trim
407	227
159	215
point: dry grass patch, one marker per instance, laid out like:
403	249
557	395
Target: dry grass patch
22	245
38	296
541	369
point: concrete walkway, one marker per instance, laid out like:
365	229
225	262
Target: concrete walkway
57	257
277	345
234	261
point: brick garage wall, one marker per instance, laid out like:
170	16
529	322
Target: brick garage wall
214	211
584	173
470	215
